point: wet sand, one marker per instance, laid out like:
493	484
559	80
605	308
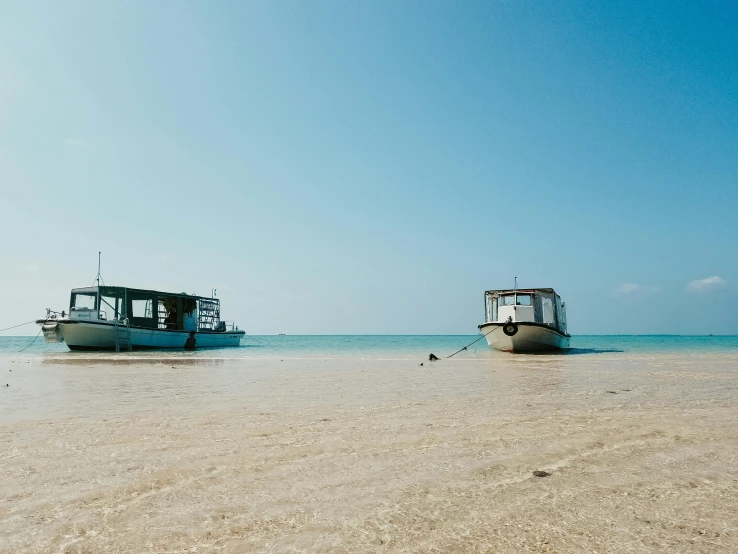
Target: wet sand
135	454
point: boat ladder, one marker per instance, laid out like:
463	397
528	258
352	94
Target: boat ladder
123	335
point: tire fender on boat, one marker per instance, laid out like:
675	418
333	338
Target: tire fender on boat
510	329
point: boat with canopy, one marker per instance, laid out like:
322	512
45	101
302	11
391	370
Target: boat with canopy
123	318
529	320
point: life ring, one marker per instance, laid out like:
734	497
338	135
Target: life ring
510	329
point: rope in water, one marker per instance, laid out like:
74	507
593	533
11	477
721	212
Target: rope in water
246	335
34	340
14	326
474	341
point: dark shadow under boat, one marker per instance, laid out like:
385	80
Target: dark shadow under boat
575	351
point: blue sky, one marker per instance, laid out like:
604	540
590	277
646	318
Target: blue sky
373	167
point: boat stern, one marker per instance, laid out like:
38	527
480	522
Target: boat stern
50	326
51	330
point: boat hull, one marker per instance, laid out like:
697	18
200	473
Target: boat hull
527	338
84	335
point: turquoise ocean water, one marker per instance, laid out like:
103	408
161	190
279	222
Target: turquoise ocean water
421	345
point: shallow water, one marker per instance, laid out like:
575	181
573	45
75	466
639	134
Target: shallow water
364	450
398	345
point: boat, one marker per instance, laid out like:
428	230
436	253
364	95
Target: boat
123	318
530	320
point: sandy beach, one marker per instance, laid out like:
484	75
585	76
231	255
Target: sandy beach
134	454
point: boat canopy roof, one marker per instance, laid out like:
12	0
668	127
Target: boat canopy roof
105	289
520	291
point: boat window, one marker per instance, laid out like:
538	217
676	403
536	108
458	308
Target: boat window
507	300
491	308
522	300
563	317
84	300
141	308
107	305
168	313
548	310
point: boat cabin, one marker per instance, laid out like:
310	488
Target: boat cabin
146	309
532	305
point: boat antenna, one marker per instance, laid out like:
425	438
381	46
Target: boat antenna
99	277
516	282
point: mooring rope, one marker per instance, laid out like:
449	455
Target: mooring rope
34	340
14	326
246	335
473	342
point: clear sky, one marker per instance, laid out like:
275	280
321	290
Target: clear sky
373	167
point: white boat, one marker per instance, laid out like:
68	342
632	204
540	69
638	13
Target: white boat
531	320
122	318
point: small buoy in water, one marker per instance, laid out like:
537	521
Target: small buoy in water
541	473
432	357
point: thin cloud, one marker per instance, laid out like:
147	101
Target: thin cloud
632	288
75	142
706	284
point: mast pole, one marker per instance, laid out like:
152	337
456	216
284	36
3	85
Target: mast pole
98	278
